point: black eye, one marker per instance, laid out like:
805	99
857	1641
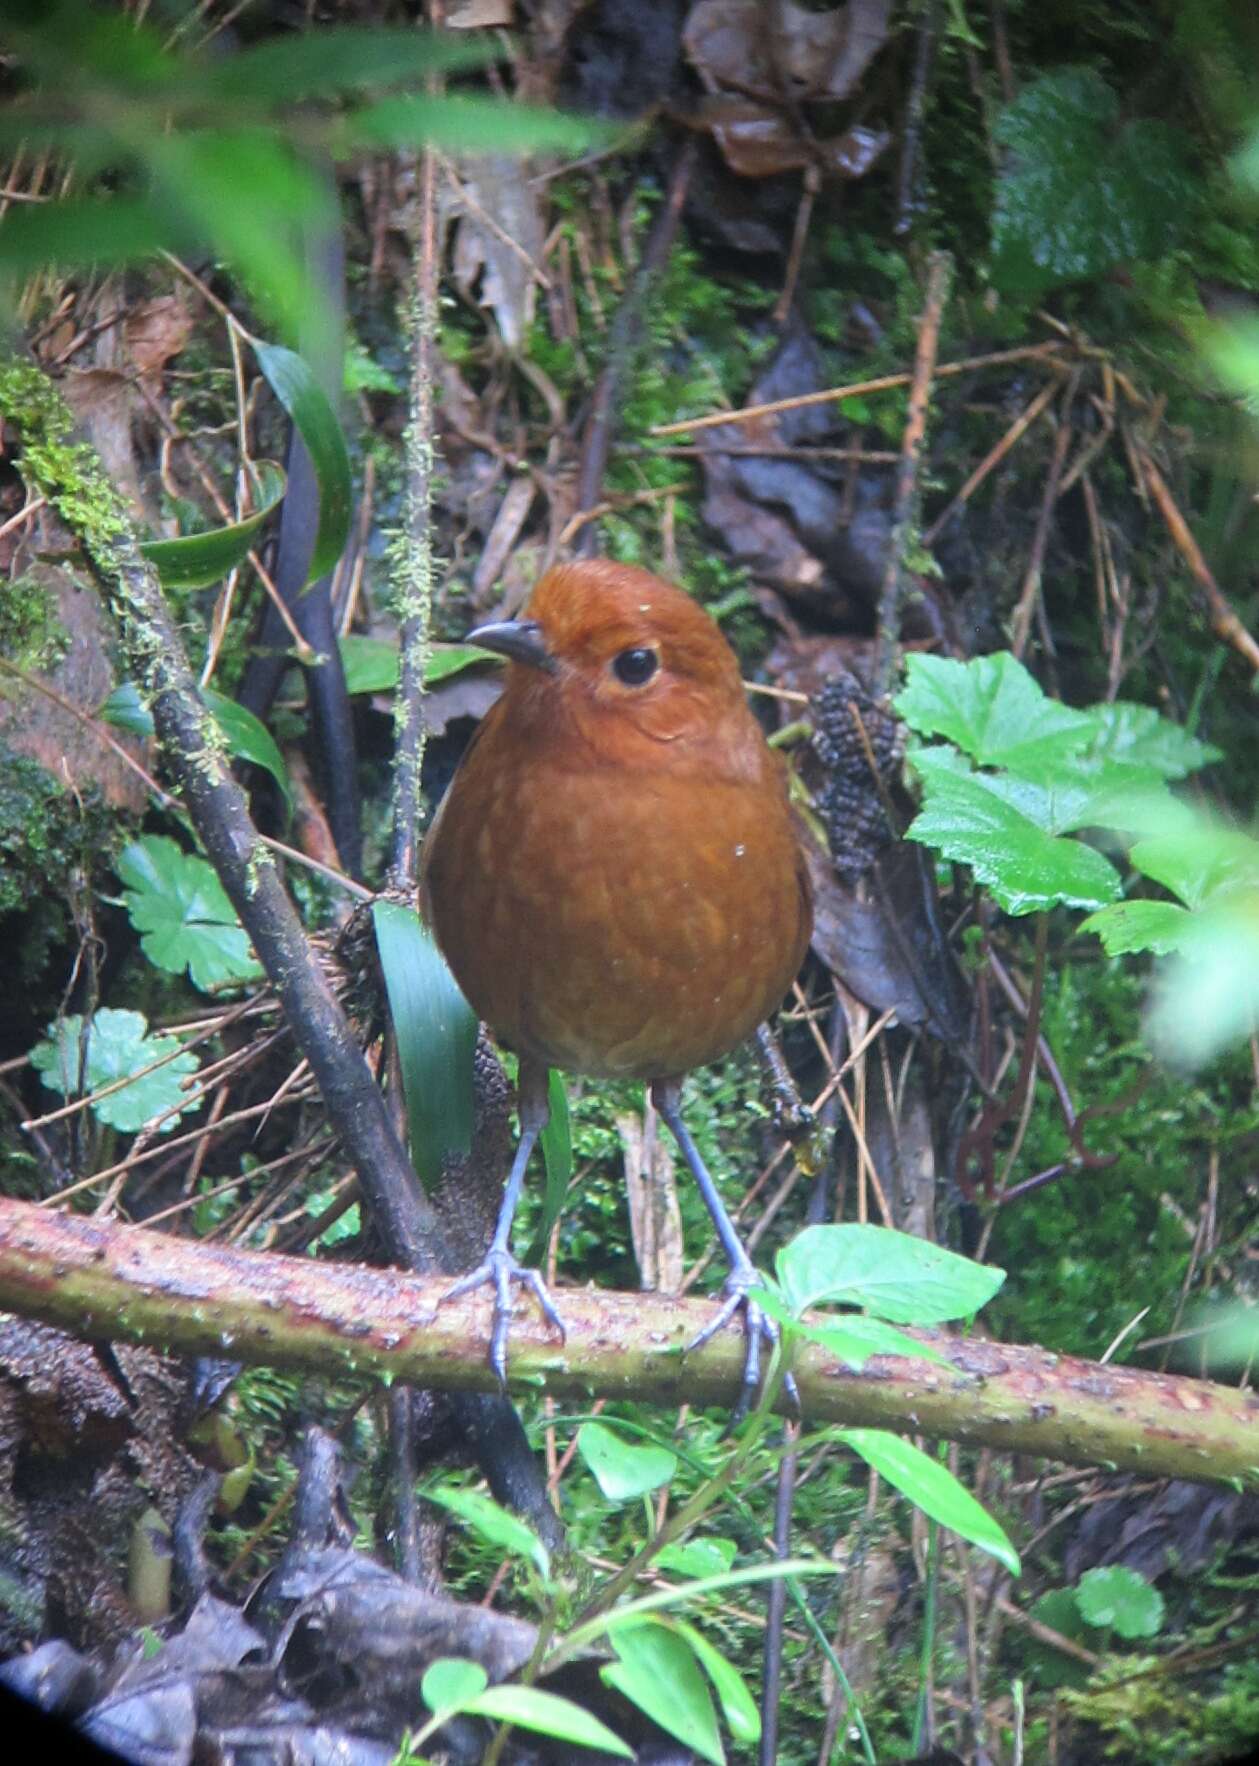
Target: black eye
634	668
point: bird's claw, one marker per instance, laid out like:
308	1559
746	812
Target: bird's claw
758	1329
499	1271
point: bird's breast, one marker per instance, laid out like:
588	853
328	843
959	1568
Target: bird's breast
616	921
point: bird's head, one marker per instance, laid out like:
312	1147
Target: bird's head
627	659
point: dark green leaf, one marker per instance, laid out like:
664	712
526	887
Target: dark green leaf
197	560
657	1672
125	710
992	708
893	1275
118	1043
450	1682
1115	1597
249	739
436	1031
184	918
84	230
624	1470
557	1155
932	1488
297	389
495	1524
547	1714
1052	1667
1082	191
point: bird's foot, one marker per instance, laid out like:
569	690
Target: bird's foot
758	1330
499	1271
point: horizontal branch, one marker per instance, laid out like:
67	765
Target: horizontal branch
124	1283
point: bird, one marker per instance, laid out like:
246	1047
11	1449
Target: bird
615	879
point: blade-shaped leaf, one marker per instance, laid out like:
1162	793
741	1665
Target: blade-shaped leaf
657	1672
297	389
436	1031
493	1523
462	124
737	1704
892	1274
305	64
932	1488
547	1714
249	739
199	559
557	1154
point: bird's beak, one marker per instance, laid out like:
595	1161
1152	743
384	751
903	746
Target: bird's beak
520	640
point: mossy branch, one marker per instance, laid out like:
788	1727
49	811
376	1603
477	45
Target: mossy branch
125	1283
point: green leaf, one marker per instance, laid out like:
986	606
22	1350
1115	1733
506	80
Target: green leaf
118	1043
84	230
450	1682
183	915
970	819
624	1470
1200	864
1129	926
547	1714
1053	1667
1208	992
1082	190
436	1031
557	1155
992	708
308	64
892	1274
249	739
370	664
737	1704
856	1339
462	124
493	1523
197	560
932	1488
657	1672
1138	735
708	1556
316	421
1118	1598
125	710
1231	347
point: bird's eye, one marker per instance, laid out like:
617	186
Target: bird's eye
634	668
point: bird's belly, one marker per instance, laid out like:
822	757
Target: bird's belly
643	943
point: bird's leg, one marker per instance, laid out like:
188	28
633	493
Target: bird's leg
667	1097
500	1268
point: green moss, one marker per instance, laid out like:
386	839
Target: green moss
32	636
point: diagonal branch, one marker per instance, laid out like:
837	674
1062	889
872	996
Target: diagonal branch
115	1283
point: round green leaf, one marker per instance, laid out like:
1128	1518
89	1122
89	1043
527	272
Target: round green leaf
1115	1597
118	1043
624	1469
451	1683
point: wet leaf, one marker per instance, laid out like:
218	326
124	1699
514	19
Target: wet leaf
931	1487
118	1043
624	1469
183	915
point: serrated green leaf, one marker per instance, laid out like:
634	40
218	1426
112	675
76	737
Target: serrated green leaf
970	819
450	1682
197	560
1127	926
316	421
992	708
657	1671
436	1032
492	1522
932	1488
183	915
1201	864
547	1714
118	1043
1120	1599
624	1470
1081	190
1137	735
248	738
893	1275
